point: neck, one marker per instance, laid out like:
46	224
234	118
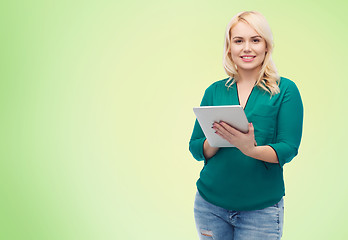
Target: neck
248	76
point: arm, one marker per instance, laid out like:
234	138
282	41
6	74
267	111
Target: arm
263	153
198	146
289	127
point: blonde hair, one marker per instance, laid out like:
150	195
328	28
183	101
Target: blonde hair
268	78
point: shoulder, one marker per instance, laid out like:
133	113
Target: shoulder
289	90
217	85
286	84
215	89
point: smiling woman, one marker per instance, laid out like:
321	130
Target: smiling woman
240	190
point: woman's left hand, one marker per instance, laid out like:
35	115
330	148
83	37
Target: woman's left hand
245	142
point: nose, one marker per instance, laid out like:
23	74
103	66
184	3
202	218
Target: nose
247	47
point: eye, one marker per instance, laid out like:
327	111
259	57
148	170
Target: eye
256	40
237	41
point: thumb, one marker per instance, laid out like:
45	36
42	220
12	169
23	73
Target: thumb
251	131
251	127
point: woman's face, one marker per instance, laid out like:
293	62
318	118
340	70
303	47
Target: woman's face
248	48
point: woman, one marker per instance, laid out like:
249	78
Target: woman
240	189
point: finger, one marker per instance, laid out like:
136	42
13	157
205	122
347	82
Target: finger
229	128
221	128
250	129
224	134
221	131
227	136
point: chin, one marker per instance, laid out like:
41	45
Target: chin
249	66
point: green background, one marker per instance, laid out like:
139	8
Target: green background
96	114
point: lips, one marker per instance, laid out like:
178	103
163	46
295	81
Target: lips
248	56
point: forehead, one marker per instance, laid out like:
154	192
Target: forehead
244	30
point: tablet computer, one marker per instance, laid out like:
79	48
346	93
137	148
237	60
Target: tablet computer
232	114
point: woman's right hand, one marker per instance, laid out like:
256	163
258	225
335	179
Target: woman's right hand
208	150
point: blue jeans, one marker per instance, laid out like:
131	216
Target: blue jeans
216	223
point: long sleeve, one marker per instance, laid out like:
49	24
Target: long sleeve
289	126
198	137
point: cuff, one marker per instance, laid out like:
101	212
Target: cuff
284	151
196	148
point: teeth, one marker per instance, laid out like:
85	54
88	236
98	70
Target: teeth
248	57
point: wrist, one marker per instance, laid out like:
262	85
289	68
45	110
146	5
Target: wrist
207	145
209	151
251	151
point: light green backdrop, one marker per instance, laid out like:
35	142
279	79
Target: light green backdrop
96	114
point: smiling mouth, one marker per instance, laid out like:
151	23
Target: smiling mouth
248	57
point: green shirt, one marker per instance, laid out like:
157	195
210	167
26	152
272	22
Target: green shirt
235	181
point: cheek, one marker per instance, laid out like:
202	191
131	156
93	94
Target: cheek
261	49
235	57
235	53
261	53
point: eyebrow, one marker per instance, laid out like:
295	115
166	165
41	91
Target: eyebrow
251	37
